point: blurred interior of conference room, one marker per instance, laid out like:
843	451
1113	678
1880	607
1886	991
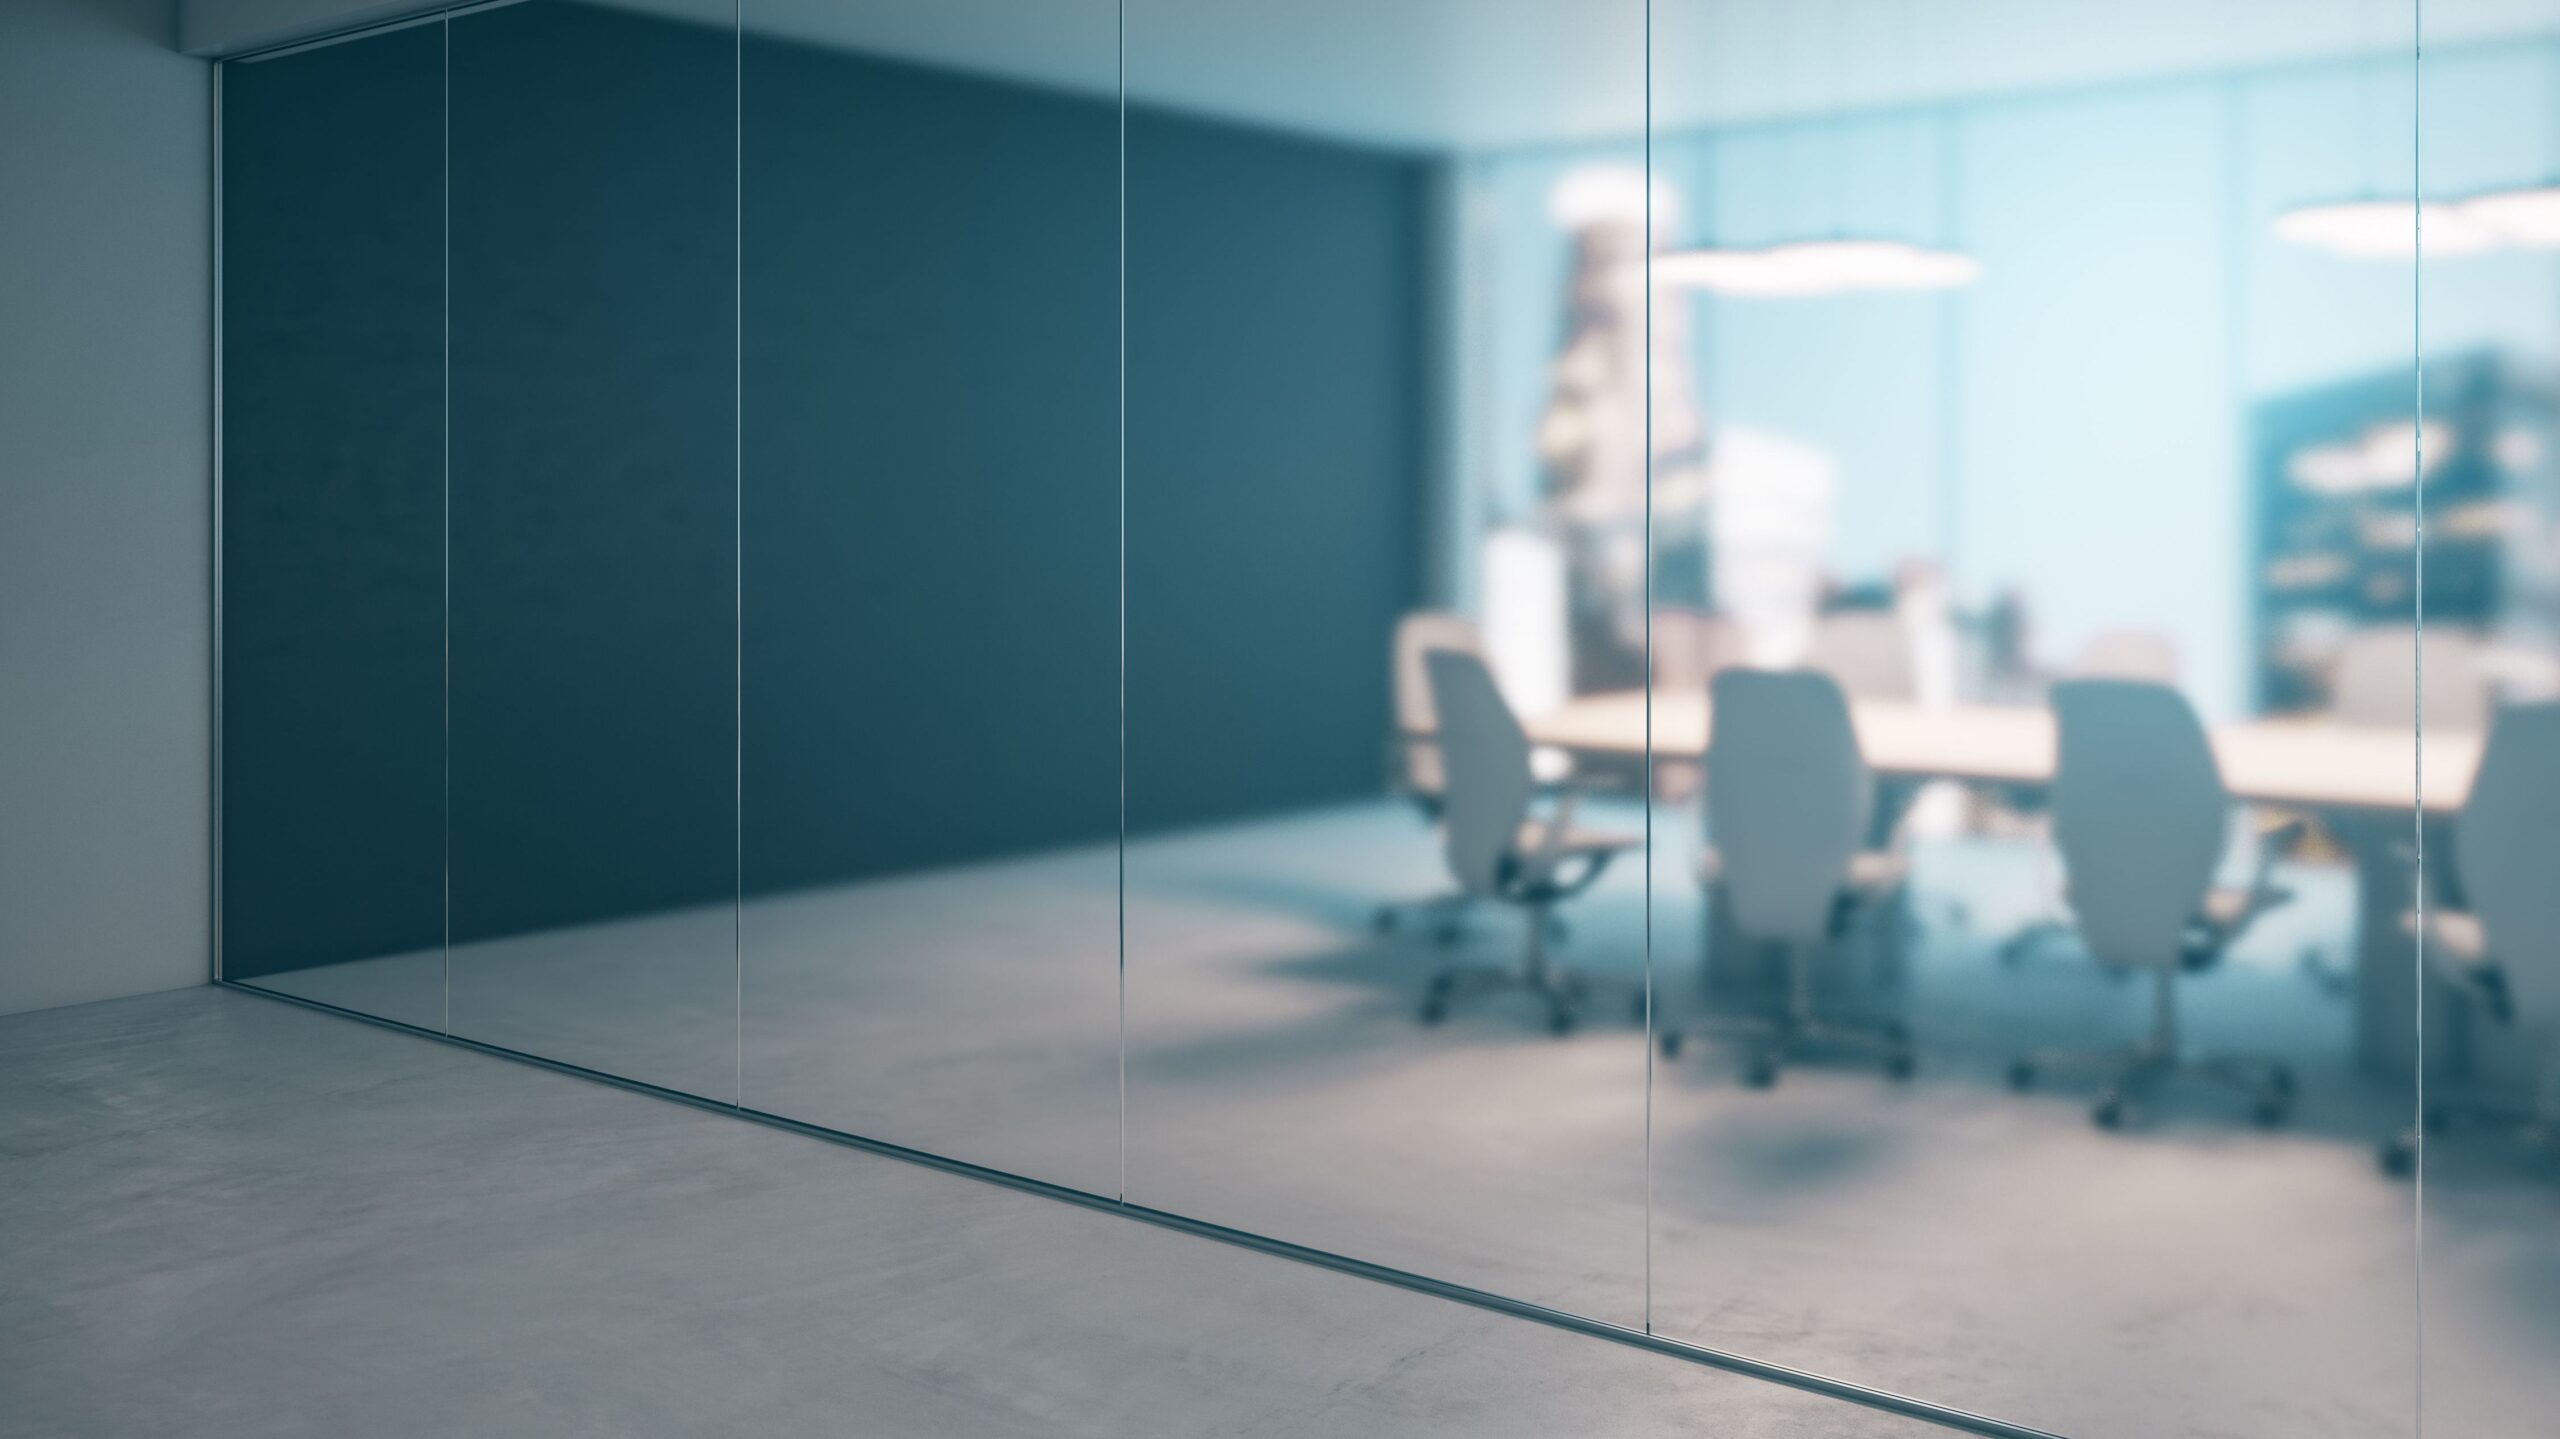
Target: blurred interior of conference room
1432	716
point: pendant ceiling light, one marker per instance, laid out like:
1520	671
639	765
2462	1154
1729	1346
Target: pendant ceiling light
1836	263
2528	218
1757	273
2408	227
2388	229
1880	264
1812	268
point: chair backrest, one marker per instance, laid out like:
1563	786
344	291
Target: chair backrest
2507	835
1868	652
1487	758
2139	813
1788	797
2128	655
2376	679
1418	633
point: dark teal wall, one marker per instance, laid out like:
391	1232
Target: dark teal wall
925	633
333	500
932	468
1275	482
594	471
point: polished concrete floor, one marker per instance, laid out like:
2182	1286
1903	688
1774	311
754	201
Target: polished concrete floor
223	1215
1944	1237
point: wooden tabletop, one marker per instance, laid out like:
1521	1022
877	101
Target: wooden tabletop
2304	763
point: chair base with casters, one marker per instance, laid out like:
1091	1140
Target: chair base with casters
1444	916
2134	1075
2457	949
1796	1027
1798	1030
1560	989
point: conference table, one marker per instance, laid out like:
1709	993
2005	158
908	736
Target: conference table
2358	781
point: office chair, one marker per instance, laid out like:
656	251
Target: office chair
1788	805
2503	953
1414	767
2139	812
1871	655
1496	848
2109	655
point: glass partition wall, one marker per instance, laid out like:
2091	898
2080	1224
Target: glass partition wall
2046	887
2489	557
1747	674
1357	1020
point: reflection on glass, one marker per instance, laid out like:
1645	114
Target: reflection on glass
2033	1059
594	538
930	623
1385	954
1874	634
2489	496
333	526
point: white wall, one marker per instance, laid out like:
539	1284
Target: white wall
105	507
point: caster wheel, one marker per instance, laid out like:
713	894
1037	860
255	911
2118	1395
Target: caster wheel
1560	1022
2109	1113
2269	1112
1761	1072
2399	1156
2022	1075
1900	1066
1669	1044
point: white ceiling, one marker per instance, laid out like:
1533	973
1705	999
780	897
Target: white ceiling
1489	73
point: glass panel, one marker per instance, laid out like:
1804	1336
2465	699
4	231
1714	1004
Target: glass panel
2044	476
594	538
931	586
2490	499
333	525
1341	432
